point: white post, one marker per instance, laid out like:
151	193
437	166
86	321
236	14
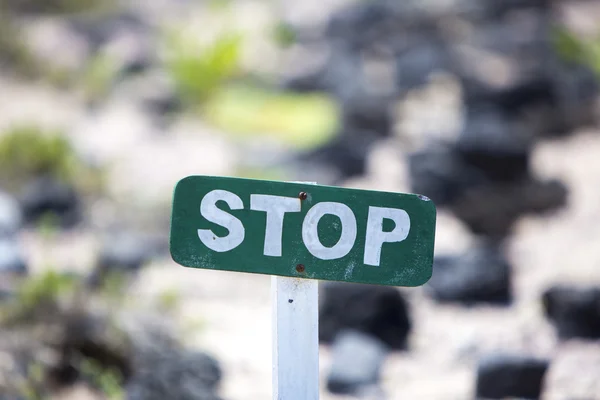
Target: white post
295	321
295	338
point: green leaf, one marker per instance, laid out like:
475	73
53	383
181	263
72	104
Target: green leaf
303	120
198	71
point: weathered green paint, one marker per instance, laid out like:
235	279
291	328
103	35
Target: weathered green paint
405	263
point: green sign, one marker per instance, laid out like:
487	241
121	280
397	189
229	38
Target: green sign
303	230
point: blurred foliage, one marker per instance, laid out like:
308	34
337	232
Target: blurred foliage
169	300
284	34
55	6
199	70
98	76
108	380
46	288
113	286
27	151
38	296
14	54
303	120
32	387
578	50
272	174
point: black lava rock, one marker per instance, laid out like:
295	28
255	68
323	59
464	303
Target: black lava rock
417	64
502	376
492	210
346	155
10	215
179	376
375	310
481	275
48	196
356	362
11	258
369	115
574	312
123	254
441	174
495	145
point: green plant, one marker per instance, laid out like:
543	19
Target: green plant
169	300
98	76
199	70
574	49
55	6
107	380
14	54
303	120
45	289
28	150
38	296
284	34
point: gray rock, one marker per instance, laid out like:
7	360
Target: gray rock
441	174
356	362
123	253
379	311
49	196
11	216
481	275
11	258
507	376
182	375
495	145
492	210
574	312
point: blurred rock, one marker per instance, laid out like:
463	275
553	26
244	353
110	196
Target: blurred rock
368	113
503	376
481	275
346	156
11	258
416	65
154	90
186	375
492	210
574	312
10	215
131	51
124	254
46	196
493	144
577	89
357	359
96	337
98	29
56	45
440	174
378	311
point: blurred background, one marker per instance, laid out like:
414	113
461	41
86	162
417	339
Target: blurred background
489	107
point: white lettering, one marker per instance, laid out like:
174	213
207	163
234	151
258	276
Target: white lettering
210	211
275	207
310	234
375	236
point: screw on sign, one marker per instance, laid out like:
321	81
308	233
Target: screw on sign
301	233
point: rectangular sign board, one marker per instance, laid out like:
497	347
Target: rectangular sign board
303	230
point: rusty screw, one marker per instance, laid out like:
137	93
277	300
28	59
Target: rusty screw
300	268
302	195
